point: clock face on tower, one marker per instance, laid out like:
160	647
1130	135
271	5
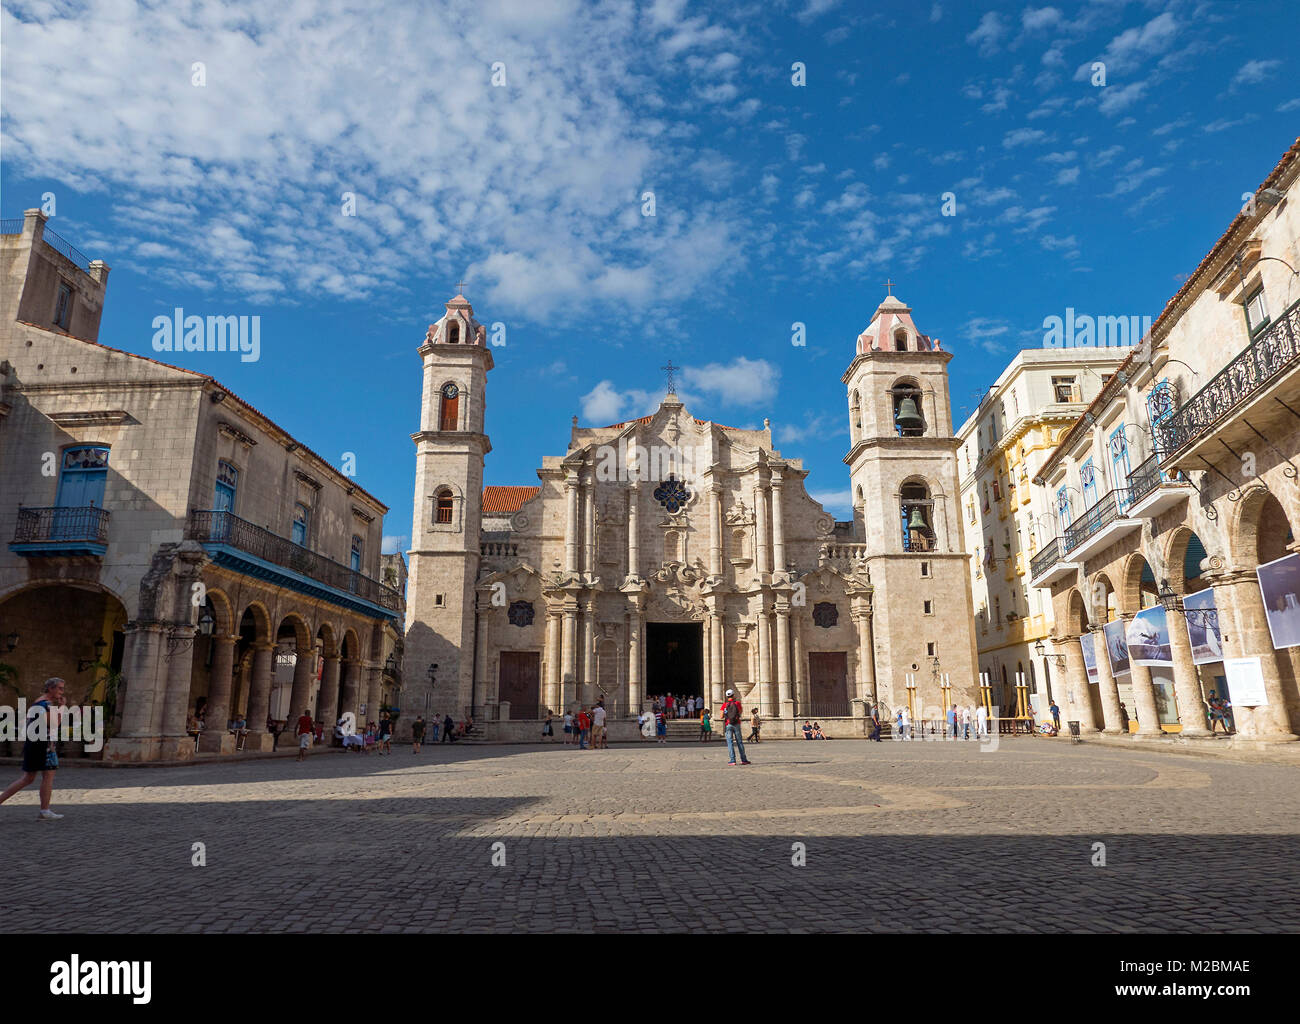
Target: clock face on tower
450	391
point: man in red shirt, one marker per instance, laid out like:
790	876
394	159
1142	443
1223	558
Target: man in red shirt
305	731
584	728
731	713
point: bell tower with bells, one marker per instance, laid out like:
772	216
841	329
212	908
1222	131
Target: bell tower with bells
902	463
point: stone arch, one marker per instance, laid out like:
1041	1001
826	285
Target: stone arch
300	629
1100	586
260	617
351	647
222	611
1076	614
328	639
1261	528
1181	543
1132	585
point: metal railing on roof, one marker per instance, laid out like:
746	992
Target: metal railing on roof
1101	515
61	245
12	226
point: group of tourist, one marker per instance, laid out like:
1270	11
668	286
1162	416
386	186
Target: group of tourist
585	729
677	706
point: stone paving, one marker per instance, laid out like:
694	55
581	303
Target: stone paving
899	837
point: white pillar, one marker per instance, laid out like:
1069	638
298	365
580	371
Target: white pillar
778	533
633	536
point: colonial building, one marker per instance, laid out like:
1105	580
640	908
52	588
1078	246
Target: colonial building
1003	445
675	554
1176	505
170	547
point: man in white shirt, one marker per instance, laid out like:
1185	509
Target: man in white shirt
598	725
568	726
981	721
907	724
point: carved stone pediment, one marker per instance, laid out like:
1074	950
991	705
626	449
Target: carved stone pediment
680	574
740	515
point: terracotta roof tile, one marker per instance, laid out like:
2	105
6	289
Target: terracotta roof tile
507	498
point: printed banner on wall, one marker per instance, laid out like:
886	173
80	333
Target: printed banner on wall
1245	682
1148	638
1089	656
1279	583
1117	647
1203	627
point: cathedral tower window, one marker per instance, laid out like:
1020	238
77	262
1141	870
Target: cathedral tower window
453	332
448	418
444	506
909	421
917	510
900	341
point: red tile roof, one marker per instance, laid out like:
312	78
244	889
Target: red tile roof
508	498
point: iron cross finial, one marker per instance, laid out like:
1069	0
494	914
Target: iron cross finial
889	287
460	287
671	370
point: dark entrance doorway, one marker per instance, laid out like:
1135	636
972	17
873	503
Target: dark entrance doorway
520	683
674	659
828	673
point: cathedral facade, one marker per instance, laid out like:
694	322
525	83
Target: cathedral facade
675	554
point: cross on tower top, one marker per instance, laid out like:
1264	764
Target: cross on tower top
889	287
460	287
670	370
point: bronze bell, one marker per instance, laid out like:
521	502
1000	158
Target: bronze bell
908	417
916	518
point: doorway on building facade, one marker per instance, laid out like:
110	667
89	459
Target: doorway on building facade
828	690
674	659
520	683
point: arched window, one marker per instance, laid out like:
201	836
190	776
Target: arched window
900	340
855	415
444	506
909	421
917	510
449	417
453	332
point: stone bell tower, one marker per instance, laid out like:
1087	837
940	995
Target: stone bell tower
444	557
903	468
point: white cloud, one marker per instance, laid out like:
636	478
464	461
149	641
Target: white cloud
813	428
1289	105
1253	72
1068	176
603	404
838	503
987	34
936	12
1023	137
740	382
393	543
1117	98
1128	50
1040	19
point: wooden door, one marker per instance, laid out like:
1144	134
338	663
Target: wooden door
520	683
829	684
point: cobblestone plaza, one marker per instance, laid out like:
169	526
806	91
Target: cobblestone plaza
899	837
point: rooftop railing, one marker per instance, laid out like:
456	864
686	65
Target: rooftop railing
61	245
1273	352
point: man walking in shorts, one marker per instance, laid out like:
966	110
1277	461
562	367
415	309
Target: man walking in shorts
598	725
417	734
39	755
306	730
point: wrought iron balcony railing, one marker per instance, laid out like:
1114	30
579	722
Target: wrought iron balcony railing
1148	476
211	527
1274	351
87	524
1045	559
1110	508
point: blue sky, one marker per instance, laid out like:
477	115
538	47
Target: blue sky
774	203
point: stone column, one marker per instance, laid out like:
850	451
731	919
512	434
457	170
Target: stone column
589	524
328	704
706	635
571	521
761	563
551	697
1078	677
350	702
1238	594
300	694
588	692
489	688
766	688
715	530
259	695
783	657
179	667
716	642
866	659
374	692
569	657
778	530
636	629
798	679
1144	694
633	536
223	666
1187	688
1109	688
